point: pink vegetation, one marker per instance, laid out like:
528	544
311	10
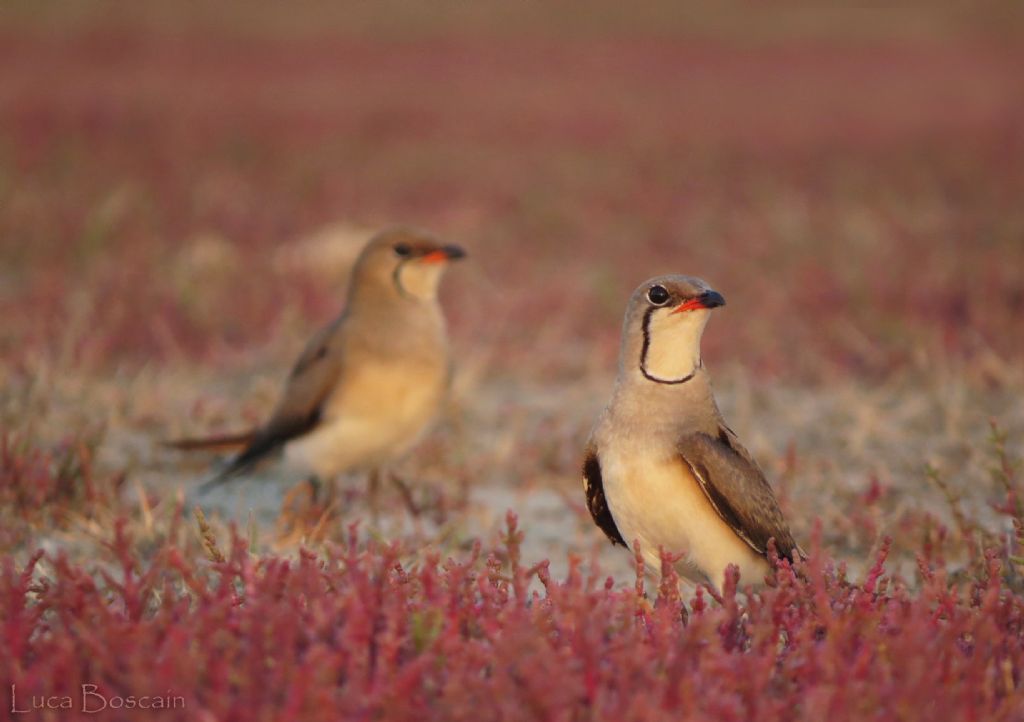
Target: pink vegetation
361	634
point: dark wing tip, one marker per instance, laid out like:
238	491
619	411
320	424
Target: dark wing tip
262	445
236	466
216	481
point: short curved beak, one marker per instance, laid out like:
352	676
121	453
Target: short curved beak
445	253
708	299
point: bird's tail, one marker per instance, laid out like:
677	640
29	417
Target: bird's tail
222	442
223	476
257	447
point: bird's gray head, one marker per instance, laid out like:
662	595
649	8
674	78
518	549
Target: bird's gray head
664	323
405	262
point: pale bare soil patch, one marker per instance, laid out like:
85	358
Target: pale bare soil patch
849	457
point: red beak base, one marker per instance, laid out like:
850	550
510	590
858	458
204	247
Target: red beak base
441	255
690	305
708	299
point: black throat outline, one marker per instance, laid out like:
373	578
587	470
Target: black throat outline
396	278
643	355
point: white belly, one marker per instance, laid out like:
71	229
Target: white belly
372	419
656	501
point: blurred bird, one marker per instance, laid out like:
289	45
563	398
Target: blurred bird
661	467
368	386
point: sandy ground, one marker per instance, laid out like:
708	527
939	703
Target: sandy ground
514	444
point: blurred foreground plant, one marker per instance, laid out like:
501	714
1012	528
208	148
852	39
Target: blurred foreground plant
356	633
50	487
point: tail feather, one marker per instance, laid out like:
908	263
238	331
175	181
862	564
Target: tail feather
255	445
235	467
259	446
222	442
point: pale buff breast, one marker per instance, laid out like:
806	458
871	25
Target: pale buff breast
655	499
375	416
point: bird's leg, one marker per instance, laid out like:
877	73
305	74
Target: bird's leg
373	492
315	485
406	493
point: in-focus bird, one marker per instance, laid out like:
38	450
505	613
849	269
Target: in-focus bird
661	467
368	386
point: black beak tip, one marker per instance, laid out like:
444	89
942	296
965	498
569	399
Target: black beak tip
454	252
712	299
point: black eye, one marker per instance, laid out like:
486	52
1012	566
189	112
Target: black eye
657	295
403	250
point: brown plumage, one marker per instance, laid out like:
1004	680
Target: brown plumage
369	384
593	486
662	468
738	490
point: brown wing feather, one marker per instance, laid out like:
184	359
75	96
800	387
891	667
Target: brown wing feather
311	380
593	485
738	490
309	384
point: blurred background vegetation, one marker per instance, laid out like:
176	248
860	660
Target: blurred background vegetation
850	177
183	186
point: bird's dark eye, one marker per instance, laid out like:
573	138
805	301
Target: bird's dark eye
403	250
657	295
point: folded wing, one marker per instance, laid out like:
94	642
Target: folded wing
593	485
738	490
311	381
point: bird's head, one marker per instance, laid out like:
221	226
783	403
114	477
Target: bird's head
405	261
663	327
